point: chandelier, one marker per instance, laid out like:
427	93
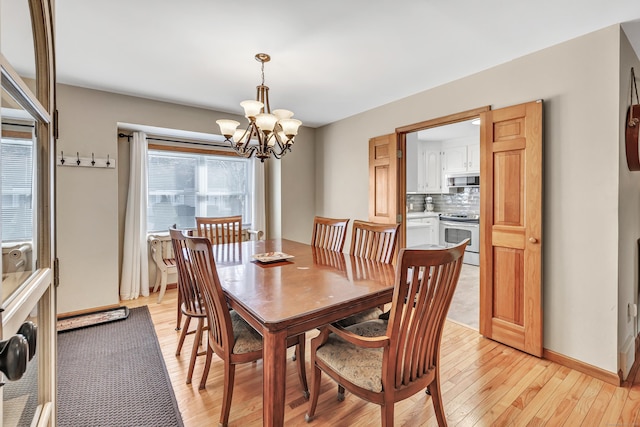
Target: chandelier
268	133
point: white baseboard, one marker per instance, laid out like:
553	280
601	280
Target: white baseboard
627	356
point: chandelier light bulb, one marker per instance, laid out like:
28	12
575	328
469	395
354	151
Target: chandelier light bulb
238	134
290	126
227	127
251	108
266	122
282	114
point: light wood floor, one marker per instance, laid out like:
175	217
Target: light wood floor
484	384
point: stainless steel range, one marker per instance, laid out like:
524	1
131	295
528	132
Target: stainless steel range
455	227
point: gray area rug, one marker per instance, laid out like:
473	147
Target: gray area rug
113	375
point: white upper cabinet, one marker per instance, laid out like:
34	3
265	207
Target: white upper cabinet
433	168
423	166
461	157
454	159
473	157
412	163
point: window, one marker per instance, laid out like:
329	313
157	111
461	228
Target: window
17	187
183	185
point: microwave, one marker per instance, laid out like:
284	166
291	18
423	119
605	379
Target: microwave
467	180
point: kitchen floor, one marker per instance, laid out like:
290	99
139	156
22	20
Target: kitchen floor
465	306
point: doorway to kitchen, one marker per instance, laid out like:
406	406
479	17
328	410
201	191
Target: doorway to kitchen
442	181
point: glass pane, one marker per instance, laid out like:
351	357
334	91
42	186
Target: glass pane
172	191
17	192
185	185
227	190
17	38
20	398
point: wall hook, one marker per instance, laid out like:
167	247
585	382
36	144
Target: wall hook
108	161
62	157
93	160
78	161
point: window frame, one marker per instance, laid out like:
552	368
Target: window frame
187	147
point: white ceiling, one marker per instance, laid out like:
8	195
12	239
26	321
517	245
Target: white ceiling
330	59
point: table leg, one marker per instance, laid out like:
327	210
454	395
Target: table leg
274	355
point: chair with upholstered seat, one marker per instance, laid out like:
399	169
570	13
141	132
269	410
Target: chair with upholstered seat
387	361
231	338
375	242
189	300
329	233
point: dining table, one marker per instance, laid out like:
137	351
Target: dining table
284	288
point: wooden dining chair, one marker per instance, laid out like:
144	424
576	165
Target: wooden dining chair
231	338
374	242
189	299
387	361
329	233
226	229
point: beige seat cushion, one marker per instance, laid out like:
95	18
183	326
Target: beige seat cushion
247	338
364	316
361	366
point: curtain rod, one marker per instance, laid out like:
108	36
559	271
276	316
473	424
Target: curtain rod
149	138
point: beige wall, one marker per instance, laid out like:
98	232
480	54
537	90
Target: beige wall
91	202
579	83
629	221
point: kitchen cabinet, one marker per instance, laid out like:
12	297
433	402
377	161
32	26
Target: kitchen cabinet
433	170
414	159
454	159
423	231
473	157
461	158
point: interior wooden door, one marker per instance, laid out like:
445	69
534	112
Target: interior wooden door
511	226
383	179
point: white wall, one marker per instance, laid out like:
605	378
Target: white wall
578	81
91	202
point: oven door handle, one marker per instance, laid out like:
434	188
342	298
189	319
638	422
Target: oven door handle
454	224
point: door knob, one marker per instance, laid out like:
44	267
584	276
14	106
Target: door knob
29	331
17	351
533	240
14	353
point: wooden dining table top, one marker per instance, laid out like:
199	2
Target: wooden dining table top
314	282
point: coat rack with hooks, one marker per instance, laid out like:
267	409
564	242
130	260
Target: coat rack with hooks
90	162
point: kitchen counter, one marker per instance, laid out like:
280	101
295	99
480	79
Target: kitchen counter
416	215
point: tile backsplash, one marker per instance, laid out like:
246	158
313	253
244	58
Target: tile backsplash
464	201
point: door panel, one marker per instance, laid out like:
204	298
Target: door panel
511	231
383	179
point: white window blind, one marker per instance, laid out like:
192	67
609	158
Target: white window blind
16	163
185	185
